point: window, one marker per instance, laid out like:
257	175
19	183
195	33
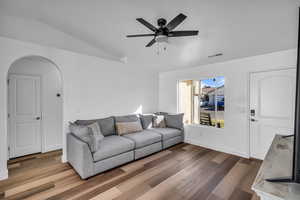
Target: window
202	101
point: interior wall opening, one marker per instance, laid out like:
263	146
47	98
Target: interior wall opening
35	107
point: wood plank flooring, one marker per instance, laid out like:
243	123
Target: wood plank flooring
182	172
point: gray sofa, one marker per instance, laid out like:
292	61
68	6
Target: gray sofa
117	150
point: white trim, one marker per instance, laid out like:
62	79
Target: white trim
275	69
203	126
222	149
63	145
64	158
3	174
177	95
52	148
248	99
266	196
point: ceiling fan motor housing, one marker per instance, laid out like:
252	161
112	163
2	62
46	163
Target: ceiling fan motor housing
161	22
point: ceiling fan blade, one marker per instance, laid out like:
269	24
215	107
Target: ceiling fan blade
176	21
147	24
182	33
151	43
140	35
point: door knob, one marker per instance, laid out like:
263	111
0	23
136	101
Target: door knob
37	118
253	120
252	112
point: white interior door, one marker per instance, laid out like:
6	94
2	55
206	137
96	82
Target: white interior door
24	115
272	99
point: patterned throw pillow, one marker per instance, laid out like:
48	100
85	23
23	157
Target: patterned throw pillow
128	127
159	121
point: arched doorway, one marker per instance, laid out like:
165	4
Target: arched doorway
35	107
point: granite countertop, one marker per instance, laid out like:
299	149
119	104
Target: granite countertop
277	163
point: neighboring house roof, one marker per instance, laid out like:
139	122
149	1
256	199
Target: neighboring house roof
209	90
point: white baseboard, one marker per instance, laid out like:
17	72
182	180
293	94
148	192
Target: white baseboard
222	149
64	158
3	174
52	148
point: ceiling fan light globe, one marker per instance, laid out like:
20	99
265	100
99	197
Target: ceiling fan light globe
161	38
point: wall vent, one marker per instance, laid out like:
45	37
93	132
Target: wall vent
215	55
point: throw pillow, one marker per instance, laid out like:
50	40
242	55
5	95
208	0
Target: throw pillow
174	121
96	136
88	134
159	121
81	132
128	127
107	125
147	121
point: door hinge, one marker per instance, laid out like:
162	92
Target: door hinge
7	81
8	148
8	115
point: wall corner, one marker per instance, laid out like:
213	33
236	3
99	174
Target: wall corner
3	174
64	158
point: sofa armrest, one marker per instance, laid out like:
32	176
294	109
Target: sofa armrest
80	156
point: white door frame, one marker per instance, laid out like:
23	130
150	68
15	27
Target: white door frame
41	110
64	158
248	93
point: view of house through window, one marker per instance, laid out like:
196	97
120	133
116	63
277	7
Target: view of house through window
202	101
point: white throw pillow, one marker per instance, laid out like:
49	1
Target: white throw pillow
159	121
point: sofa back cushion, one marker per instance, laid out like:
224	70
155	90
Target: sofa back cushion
127	118
107	125
128	127
174	121
147	121
161	113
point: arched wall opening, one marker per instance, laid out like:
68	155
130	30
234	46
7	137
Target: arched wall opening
34	106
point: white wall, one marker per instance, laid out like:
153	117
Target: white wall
92	87
51	130
234	138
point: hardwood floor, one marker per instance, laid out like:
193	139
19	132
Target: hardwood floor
181	172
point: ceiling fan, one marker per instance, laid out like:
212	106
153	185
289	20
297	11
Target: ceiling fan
164	30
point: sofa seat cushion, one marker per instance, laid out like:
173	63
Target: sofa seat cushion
167	133
144	138
111	146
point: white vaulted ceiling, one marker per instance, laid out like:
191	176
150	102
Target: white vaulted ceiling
236	28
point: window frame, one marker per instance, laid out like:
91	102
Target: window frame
192	102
